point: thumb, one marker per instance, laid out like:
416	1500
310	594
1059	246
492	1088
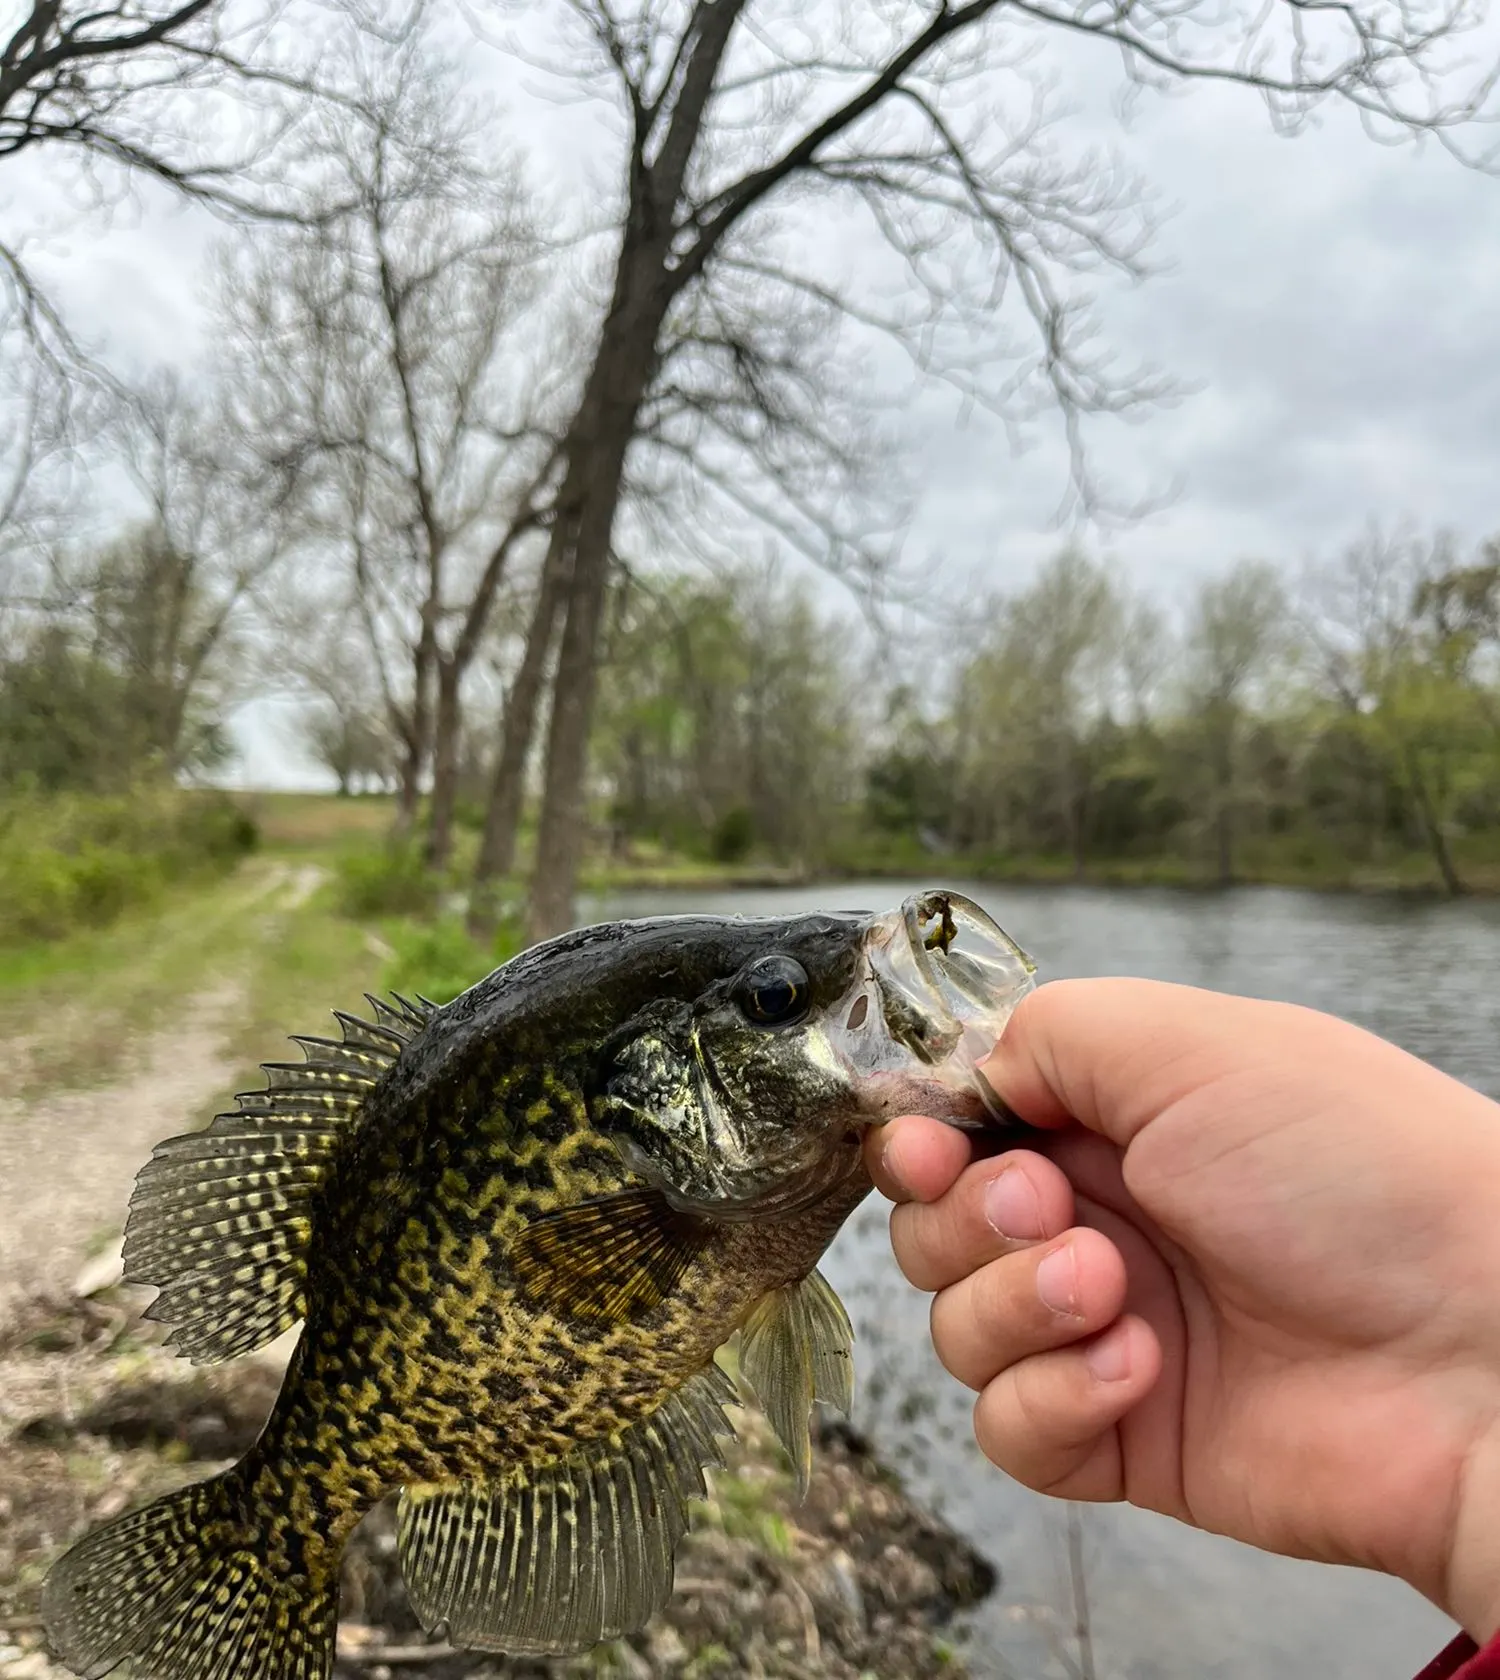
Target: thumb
1113	1054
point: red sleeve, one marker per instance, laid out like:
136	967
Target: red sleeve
1463	1660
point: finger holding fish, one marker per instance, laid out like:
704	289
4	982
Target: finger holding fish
1043	1297
993	1208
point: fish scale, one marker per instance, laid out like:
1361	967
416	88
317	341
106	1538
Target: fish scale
516	1231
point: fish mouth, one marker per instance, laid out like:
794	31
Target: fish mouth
941	980
929	990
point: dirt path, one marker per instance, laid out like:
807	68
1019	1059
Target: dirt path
68	1159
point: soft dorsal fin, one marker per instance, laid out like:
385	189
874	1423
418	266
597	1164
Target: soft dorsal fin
220	1219
795	1348
553	1559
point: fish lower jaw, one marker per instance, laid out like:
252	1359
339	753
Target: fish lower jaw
888	1095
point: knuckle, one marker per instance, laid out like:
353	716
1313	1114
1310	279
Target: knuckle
1016	1425
911	1239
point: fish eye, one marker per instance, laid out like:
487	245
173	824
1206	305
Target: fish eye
773	990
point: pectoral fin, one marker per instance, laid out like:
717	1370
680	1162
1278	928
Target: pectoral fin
611	1257
795	1348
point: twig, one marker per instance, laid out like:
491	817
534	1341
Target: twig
1083	1631
397	1655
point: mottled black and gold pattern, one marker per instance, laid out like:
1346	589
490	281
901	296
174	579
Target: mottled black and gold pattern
500	1318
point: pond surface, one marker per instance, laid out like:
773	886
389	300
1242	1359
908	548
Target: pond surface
1164	1601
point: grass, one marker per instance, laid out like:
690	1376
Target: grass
71	861
74	1010
318	821
80	1004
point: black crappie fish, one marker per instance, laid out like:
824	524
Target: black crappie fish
516	1229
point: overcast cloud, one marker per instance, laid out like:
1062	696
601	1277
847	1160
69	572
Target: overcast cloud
1336	304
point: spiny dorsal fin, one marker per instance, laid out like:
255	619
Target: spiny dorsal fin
610	1257
795	1348
552	1560
221	1219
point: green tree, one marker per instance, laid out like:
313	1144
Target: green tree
1238	643
1036	707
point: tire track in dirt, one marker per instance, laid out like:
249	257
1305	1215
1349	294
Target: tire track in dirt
68	1159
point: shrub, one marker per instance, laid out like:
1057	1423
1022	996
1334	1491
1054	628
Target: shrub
733	836
441	959
77	861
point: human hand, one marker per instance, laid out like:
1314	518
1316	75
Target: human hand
1249	1277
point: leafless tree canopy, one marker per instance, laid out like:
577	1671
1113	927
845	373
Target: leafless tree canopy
446	413
922	123
397	385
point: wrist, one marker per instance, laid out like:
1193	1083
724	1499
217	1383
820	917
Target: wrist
1472	1595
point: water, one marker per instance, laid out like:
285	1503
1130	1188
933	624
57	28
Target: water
1164	1600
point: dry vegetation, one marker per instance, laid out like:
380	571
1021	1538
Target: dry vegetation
857	1581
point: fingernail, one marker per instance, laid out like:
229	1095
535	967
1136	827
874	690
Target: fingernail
1109	1357
1057	1280
1012	1206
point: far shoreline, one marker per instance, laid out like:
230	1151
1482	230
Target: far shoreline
1131	875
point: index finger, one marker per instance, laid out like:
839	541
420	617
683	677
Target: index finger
914	1159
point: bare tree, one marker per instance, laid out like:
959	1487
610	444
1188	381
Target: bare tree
882	114
206	97
398	384
164	601
754	425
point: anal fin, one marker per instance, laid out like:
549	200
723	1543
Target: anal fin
551	1560
797	1348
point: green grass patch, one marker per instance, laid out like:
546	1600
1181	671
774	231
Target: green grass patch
320	821
78	1005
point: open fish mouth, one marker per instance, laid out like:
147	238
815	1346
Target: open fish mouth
941	981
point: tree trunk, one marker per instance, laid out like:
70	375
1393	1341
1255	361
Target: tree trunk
1432	828
444	765
560	830
408	791
502	812
1224	757
647	278
1224	840
590	495
417	735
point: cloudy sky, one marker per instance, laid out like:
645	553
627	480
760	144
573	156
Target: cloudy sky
1333	303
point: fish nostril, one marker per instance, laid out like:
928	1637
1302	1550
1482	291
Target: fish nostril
858	1013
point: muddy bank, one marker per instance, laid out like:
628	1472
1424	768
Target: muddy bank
856	1581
